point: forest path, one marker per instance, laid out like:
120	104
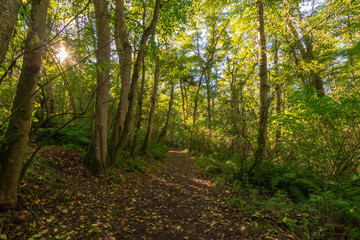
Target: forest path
61	200
180	203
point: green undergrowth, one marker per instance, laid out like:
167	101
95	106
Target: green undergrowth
152	161
275	196
73	136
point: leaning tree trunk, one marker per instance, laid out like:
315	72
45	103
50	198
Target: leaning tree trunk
134	134
133	88
98	152
124	51
16	136
147	139
8	13
307	55
163	130
264	88
139	114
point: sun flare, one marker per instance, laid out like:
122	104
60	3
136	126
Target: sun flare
62	54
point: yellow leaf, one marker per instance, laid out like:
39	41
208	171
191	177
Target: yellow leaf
3	236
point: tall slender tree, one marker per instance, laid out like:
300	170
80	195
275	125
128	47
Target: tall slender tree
278	92
148	134
139	113
97	158
164	129
264	87
133	87
124	51
16	136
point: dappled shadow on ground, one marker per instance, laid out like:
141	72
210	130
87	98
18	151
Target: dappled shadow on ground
180	203
61	200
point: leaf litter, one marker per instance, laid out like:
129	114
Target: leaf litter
61	200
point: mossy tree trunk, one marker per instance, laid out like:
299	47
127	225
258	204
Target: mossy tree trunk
133	139
8	13
264	88
164	129
133	87
278	93
16	136
147	139
124	51
139	113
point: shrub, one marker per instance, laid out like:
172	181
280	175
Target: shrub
73	136
135	164
157	151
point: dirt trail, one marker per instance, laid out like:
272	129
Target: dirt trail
61	200
181	203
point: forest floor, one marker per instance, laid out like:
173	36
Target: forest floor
61	200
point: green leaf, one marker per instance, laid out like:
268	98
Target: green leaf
37	235
3	236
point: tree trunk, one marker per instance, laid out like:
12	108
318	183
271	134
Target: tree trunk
278	94
163	130
351	57
97	159
185	109
134	134
134	82
139	113
147	139
16	137
8	13
306	55
264	87
234	106
208	96
124	51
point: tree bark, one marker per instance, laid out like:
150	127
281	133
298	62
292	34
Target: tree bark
264	87
278	93
134	82
185	108
208	96
8	13
139	114
124	51
16	136
98	158
147	139
163	130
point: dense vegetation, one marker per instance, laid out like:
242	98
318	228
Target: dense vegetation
264	94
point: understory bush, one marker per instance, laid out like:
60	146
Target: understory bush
77	137
321	135
157	151
135	164
310	207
